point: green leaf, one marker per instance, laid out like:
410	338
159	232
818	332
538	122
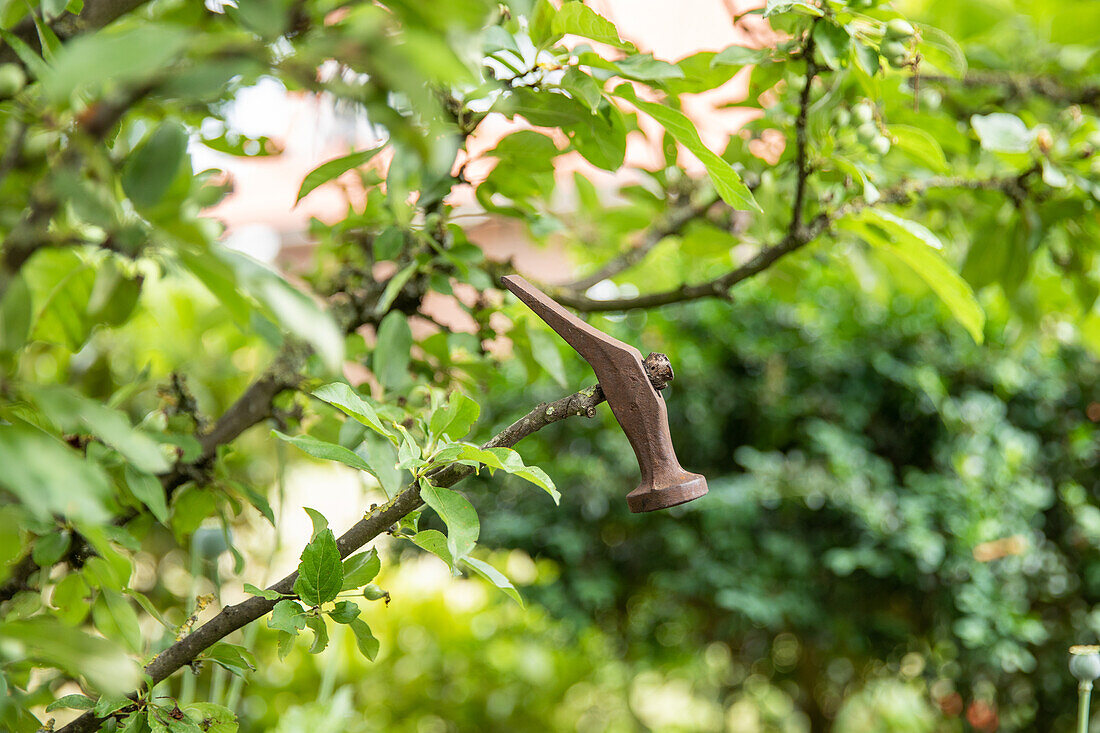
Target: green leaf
832	42
320	572
393	288
49	548
740	56
344	612
364	639
643	67
334	168
544	347
318	520
50	478
71	702
34	63
289	307
1001	132
361	569
152	167
920	146
212	718
16	315
106	666
73	412
456	419
320	633
325	451
117	619
916	247
147	605
457	513
802	7
233	658
726	181
343	397
287	616
434	542
110	56
580	20
494	576
391	353
511	462
147	489
271	595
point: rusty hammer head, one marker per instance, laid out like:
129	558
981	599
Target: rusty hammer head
635	402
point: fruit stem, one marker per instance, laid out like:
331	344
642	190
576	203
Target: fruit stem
1084	693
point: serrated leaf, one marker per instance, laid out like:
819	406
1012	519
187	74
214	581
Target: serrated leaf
320	572
726	181
287	616
344	612
364	639
457	513
212	718
325	451
334	168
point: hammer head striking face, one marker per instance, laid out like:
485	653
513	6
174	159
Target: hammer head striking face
635	402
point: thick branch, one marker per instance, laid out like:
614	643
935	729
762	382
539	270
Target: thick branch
232	618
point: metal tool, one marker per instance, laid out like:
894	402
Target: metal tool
634	401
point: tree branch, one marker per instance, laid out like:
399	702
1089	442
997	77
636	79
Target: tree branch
1012	186
232	618
1020	85
673	223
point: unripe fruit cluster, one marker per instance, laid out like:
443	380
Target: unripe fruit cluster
895	42
867	130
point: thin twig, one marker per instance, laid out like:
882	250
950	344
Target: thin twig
232	618
1011	186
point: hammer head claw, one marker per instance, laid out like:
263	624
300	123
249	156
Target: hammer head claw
629	386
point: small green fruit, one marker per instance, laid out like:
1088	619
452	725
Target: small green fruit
900	28
867	132
12	80
863	113
880	145
372	593
842	117
895	52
